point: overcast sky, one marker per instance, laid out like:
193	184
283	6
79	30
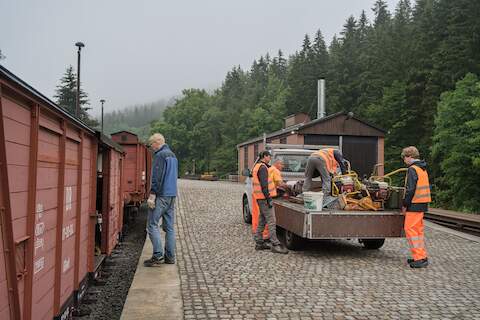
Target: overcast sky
141	51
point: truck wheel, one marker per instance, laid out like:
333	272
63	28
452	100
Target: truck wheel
372	244
292	241
247	215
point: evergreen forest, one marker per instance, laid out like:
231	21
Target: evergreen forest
413	72
135	119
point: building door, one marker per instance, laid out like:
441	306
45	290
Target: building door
361	152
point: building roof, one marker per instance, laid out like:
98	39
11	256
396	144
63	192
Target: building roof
344	113
7	74
301	126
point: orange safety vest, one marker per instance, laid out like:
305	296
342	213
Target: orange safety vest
327	155
422	191
276	176
257	188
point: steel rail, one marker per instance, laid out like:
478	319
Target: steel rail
469	223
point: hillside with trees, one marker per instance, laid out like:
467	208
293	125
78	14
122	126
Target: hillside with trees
412	71
136	119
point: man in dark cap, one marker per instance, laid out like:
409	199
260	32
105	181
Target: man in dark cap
264	190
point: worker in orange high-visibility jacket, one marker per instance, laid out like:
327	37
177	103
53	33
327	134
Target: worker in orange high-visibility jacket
263	191
275	173
417	198
324	163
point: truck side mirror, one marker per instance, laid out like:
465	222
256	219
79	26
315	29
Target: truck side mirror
246	173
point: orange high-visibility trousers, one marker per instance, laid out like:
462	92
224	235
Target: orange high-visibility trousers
255	214
414	232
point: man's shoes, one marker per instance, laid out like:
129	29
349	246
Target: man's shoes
153	261
279	249
169	260
419	263
262	246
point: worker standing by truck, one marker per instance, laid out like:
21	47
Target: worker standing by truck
326	162
417	198
275	172
263	191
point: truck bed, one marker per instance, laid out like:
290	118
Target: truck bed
338	224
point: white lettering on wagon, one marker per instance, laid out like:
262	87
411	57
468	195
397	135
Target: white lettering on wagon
68	198
38	244
66	264
68	231
39	229
38	265
39	211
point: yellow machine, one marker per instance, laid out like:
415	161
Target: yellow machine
370	194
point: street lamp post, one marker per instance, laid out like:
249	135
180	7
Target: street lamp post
80	45
102	101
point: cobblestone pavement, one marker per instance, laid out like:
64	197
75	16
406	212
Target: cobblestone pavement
223	277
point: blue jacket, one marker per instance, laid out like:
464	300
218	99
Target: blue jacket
164	173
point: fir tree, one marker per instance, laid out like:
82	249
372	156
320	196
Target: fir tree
66	97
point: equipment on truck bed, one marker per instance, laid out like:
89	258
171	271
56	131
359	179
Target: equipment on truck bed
370	194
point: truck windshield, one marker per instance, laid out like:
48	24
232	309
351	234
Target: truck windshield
293	162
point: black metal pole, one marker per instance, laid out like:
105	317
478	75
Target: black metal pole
77	105
102	101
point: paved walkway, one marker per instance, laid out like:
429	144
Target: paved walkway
154	293
223	277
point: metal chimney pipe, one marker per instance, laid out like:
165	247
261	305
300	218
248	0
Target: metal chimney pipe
321	98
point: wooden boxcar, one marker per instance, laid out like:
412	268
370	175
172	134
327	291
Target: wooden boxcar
109	196
48	162
137	168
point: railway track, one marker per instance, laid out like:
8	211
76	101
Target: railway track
469	223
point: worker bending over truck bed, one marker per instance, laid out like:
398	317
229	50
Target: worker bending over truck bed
327	162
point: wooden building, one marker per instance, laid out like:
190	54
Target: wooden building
362	143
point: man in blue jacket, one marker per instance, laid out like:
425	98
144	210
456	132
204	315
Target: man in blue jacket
162	201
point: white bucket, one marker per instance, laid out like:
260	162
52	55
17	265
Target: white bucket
313	201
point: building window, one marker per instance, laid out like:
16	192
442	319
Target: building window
283	140
245	157
255	150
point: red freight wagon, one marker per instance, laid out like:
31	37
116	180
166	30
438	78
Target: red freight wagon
109	197
47	203
137	169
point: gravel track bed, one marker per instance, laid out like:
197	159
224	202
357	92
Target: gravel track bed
118	272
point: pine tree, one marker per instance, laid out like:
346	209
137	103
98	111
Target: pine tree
279	66
320	56
382	15
344	78
66	97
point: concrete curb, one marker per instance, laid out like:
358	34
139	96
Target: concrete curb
155	292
